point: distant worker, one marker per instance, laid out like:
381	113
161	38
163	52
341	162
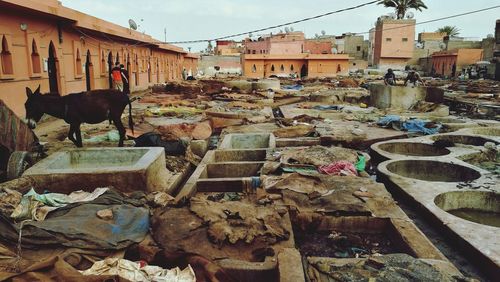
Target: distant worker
390	77
414	77
125	78
184	74
116	74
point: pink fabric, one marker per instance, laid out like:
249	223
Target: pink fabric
339	168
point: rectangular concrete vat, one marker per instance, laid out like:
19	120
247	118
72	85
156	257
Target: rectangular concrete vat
126	169
402	97
239	155
232	169
405	236
248	141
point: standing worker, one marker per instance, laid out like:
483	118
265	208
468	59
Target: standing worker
390	77
116	73
125	77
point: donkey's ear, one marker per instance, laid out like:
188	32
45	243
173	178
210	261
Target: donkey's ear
28	92
37	91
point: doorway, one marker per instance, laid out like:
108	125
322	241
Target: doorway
157	70
89	72
52	69
303	71
110	67
149	70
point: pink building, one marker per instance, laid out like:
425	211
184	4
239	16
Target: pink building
286	44
281	43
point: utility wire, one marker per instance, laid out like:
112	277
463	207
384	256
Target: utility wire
273	27
434	20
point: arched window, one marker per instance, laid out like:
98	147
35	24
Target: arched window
6	57
78	62
272	68
291	67
282	68
35	58
254	68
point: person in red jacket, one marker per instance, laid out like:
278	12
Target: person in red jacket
116	74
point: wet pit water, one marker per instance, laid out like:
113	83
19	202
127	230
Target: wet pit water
478	216
335	244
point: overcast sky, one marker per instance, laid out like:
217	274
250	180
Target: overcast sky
206	19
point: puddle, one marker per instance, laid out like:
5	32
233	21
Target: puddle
89	158
336	244
433	171
347	237
478	216
476	206
461	139
487	162
413	149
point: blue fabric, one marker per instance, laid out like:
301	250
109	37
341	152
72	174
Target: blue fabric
256	182
327	107
292	87
418	125
411	125
388	119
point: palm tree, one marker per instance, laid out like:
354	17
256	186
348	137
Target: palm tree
401	6
451	31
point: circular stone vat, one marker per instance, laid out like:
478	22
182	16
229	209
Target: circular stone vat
462	139
413	149
433	171
476	206
490	131
448	120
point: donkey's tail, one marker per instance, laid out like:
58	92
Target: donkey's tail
130	121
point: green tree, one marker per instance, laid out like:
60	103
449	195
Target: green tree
401	6
451	31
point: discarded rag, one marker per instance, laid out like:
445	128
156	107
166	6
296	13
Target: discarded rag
410	125
36	206
136	271
327	107
339	168
292	87
77	225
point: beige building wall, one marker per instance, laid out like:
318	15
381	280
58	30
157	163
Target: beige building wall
29	31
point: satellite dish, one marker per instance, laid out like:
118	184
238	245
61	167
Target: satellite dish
291	29
410	15
281	31
442	45
392	16
132	24
323	32
419	45
316	35
287	30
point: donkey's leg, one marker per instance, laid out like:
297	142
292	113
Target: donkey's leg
78	134
121	129
71	134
